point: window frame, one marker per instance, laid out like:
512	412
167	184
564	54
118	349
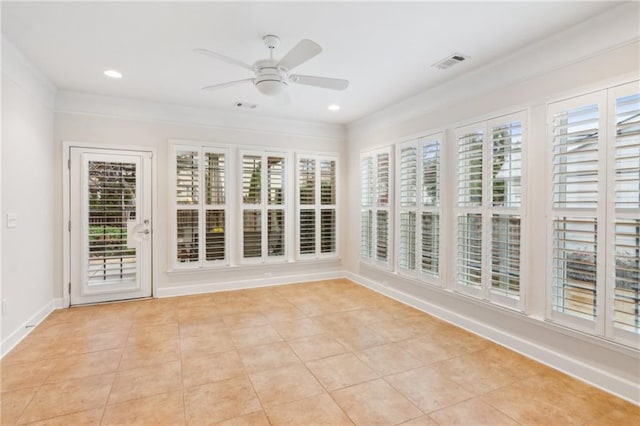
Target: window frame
487	211
317	206
419	208
605	215
264	207
200	207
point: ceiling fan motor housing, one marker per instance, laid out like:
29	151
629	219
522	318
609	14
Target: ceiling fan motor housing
270	80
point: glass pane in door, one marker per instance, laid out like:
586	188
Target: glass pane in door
111	205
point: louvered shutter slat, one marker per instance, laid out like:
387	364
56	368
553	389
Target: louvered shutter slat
382	185
575	266
328	231
431	173
275	180
470	170
382	235
215	235
251	179
506	172
187	177
366	233
407	255
187	226
470	250
430	243
252	233
627	152
307	231
276	232
505	255
575	158
328	182
408	176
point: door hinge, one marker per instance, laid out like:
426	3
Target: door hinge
69	226
69	289
69	164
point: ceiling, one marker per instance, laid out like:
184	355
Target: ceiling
385	49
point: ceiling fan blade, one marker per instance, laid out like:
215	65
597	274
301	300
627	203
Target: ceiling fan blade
228	84
324	82
227	59
301	52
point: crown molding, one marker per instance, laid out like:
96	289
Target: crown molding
134	109
19	69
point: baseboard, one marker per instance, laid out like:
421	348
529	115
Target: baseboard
618	386
185	290
10	342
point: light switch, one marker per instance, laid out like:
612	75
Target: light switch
12	220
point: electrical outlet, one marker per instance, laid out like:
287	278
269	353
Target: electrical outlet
4	307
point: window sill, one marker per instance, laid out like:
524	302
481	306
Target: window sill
252	266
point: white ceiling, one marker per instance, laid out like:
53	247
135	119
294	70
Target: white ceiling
385	49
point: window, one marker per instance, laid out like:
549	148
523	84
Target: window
200	206
263	206
489	209
418	206
317	203
375	207
595	206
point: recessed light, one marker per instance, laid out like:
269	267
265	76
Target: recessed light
334	107
113	74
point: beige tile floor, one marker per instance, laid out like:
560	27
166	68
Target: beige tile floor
324	353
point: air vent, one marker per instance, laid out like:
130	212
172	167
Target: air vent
450	61
245	105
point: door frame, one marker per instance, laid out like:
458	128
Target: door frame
66	208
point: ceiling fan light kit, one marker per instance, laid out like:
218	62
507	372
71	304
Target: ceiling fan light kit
272	77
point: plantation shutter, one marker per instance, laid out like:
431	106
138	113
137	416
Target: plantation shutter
576	261
506	199
307	215
626	229
470	169
506	156
430	258
576	158
187	199
407	255
431	172
215	205
574	266
430	206
251	199
382	206
408	181
328	206
366	207
275	201
505	255
470	250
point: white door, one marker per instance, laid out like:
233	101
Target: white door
110	226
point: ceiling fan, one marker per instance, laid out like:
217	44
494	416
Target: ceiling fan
272	77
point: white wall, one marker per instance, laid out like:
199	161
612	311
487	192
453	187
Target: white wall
111	121
28	191
594	55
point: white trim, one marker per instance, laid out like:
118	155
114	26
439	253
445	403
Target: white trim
185	290
133	109
619	386
12	340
